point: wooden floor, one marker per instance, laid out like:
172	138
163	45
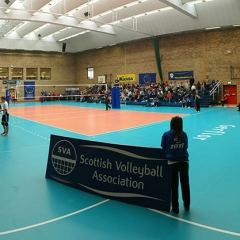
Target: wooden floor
33	207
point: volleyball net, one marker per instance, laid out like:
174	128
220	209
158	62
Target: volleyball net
77	92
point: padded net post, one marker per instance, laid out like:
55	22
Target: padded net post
115	98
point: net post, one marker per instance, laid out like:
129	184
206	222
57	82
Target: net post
115	98
8	96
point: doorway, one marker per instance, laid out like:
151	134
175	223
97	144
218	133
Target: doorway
231	92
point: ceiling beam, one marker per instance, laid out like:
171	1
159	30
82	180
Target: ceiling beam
23	15
188	10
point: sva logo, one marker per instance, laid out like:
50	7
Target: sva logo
66	151
64	157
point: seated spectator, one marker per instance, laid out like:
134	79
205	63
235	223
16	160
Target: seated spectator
183	102
188	102
54	96
198	87
42	98
193	88
169	96
138	97
154	103
224	100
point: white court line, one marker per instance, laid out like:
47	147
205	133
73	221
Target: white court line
19	149
59	111
47	126
97	204
53	220
131	128
197	224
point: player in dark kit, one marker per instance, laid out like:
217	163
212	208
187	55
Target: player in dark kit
107	100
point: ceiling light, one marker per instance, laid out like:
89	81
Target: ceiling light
131	4
115	22
54	2
93	1
74	35
212	28
155	11
8	10
125	19
139	15
165	9
194	2
105	13
118	8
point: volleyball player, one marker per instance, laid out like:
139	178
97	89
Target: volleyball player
5	116
107	100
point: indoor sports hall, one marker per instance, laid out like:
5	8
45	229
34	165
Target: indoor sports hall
33	207
57	50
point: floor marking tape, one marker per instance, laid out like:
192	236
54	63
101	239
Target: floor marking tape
197	224
53	220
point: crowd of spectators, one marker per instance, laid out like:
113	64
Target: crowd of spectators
173	92
170	91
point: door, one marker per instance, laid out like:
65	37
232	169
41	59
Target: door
12	94
231	92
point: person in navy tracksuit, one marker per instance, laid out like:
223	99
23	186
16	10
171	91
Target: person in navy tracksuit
175	144
107	100
197	99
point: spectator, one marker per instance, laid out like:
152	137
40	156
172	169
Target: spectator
191	81
197	101
224	100
193	88
208	82
107	100
169	96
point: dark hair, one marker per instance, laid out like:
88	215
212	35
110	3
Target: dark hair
176	125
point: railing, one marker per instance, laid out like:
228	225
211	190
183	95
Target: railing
215	88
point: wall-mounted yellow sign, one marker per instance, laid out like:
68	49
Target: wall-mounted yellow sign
127	78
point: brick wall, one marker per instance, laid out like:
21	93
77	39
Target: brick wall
206	53
63	68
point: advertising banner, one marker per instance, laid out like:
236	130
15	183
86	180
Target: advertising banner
29	90
183	75
127	78
147	78
14	82
136	175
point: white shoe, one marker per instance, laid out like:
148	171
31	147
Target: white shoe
4	134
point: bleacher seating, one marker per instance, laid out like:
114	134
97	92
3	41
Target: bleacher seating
206	101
